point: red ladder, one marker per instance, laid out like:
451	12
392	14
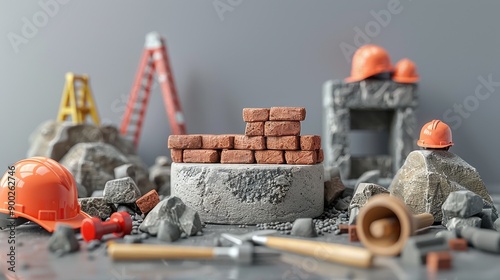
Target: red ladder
154	59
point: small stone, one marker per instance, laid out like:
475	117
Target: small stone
496	225
447	234
123	190
96	207
144	235
304	227
63	240
341	205
461	204
486	218
456	222
168	232
94	244
132	239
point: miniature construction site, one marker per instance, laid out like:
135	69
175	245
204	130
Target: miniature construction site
267	202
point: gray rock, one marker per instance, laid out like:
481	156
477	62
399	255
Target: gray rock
304	227
123	190
447	234
132	239
461	204
126	170
176	212
486	218
93	164
96	207
429	176
371	176
168	231
341	205
63	240
363	192
455	223
250	193
496	224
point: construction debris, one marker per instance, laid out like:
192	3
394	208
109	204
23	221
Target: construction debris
168	232
63	240
304	227
148	201
96	207
333	184
429	176
417	247
176	212
123	190
456	222
461	204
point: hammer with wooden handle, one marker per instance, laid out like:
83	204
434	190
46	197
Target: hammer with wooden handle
344	254
244	253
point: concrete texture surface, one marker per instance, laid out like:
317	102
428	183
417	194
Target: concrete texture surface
250	193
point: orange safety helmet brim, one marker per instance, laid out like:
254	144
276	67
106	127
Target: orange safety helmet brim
405	72
368	61
435	134
45	193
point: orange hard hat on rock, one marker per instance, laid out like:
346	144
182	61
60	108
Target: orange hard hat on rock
435	134
405	71
40	190
369	60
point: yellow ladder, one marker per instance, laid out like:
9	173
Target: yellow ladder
77	100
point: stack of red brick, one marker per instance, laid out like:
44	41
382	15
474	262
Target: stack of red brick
272	136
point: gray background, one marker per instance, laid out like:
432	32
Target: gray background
256	54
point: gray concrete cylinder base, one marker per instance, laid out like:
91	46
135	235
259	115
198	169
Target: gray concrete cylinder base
249	193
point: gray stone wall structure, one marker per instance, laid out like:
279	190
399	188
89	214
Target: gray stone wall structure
250	193
379	105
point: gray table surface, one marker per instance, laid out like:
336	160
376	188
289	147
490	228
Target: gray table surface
34	261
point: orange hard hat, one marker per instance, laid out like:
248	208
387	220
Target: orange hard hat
405	72
369	60
41	190
435	134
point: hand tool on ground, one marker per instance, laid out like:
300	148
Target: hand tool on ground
338	253
243	254
385	223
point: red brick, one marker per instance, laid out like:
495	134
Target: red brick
243	142
353	234
344	228
237	156
255	114
184	142
209	141
310	142
254	129
176	155
269	157
321	156
200	156
287	114
282	142
148	201
301	157
281	128
438	261
457	244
